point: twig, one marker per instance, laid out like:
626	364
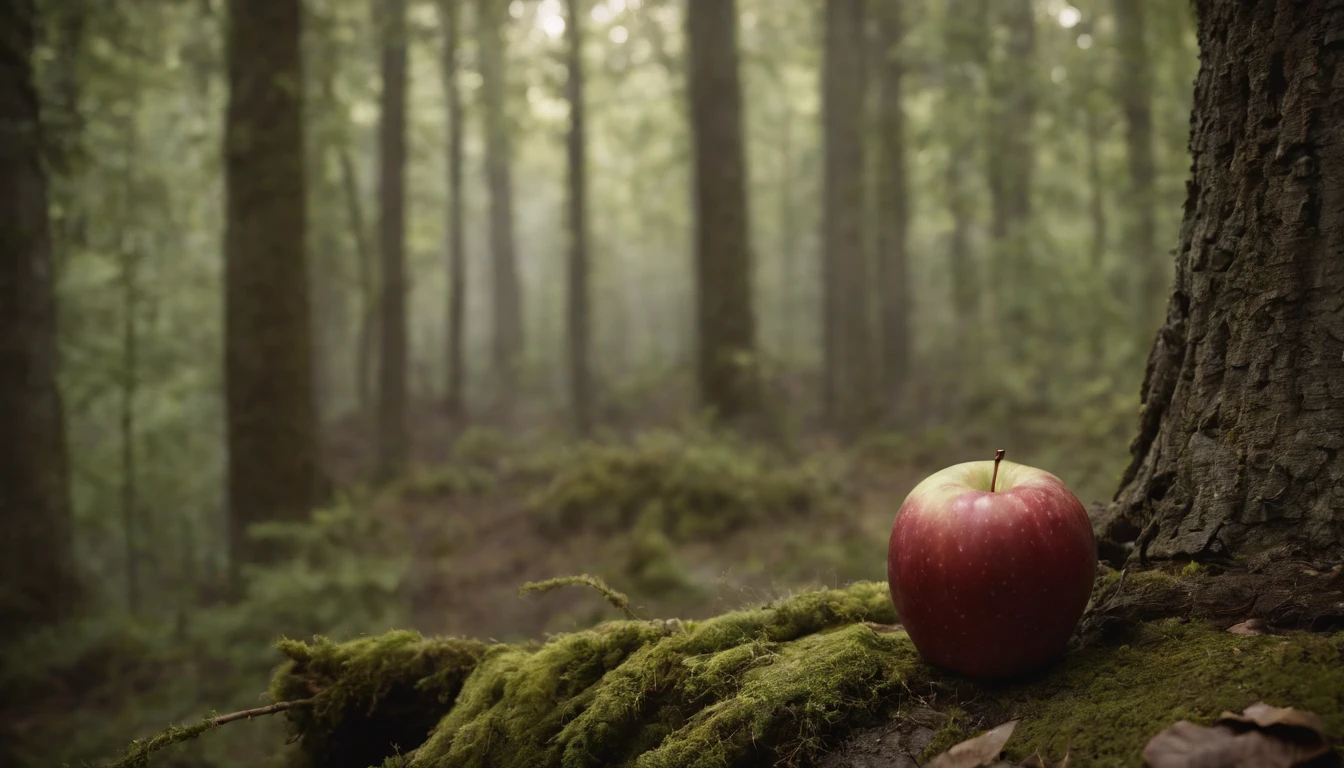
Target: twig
617	599
137	755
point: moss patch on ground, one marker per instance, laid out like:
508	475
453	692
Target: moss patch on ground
780	683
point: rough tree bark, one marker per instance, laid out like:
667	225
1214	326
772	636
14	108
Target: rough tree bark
725	324
894	209
274	471
1241	440
37	566
577	308
450	17
506	293
1151	269
847	334
393	441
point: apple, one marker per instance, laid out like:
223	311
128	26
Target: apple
990	566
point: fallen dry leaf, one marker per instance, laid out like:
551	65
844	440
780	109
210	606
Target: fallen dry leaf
1260	737
1248	627
980	751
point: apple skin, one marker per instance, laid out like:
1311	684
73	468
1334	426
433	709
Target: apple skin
991	585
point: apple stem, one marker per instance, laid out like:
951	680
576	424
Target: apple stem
998	456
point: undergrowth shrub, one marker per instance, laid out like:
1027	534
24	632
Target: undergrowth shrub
691	485
74	693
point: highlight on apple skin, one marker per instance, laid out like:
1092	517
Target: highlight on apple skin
990	567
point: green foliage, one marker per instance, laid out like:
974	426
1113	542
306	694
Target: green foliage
110	678
689	485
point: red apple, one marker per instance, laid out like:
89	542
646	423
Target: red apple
990	567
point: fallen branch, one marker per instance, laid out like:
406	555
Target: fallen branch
137	755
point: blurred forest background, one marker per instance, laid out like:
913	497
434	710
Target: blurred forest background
369	311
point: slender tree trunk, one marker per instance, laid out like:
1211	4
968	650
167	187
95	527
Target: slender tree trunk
791	279
964	39
368	283
37	563
1151	267
848	332
1011	167
129	380
893	206
274	470
580	376
725	323
1241	439
393	442
450	15
1094	137
507	314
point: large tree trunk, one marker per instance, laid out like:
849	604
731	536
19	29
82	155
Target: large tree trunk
847	332
577	314
274	466
1151	268
36	546
725	323
450	16
1241	439
893	208
392	438
506	293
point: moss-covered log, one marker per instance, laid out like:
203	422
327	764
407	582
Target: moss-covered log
782	683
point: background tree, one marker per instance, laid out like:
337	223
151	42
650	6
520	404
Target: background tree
274	465
850	369
1151	267
725	324
1011	167
578	316
893	208
450	18
392	360
36	544
506	289
1240	437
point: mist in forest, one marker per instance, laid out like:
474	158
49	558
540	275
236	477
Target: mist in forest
341	316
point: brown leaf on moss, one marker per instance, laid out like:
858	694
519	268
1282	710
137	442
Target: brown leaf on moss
980	751
1248	627
1260	737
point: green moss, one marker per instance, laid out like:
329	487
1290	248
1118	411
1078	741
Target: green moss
1193	569
691	486
371	694
1105	703
954	732
775	683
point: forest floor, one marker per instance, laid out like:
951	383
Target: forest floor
470	553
